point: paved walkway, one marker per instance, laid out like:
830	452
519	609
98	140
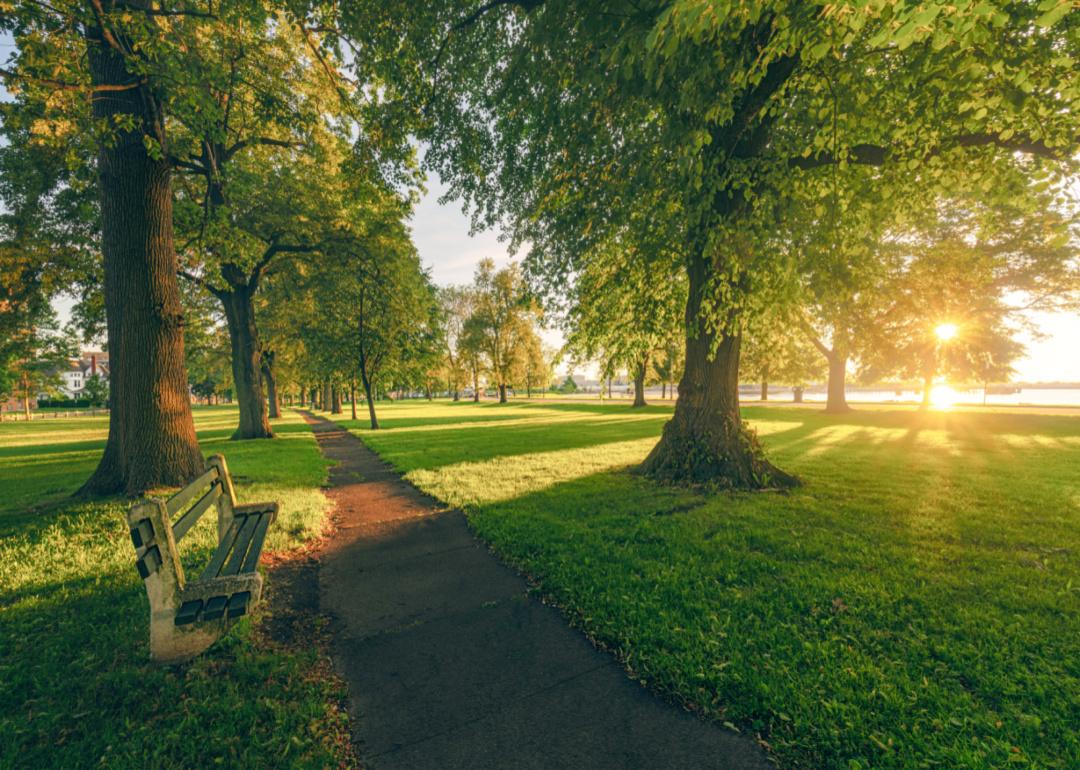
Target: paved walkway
451	664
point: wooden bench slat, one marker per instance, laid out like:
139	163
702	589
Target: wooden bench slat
188	612
214	608
243	540
181	498
222	552
149	563
142	533
188	520
238	604
252	558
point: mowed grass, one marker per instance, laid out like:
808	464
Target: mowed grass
77	688
915	604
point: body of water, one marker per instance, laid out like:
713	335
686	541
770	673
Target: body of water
1026	396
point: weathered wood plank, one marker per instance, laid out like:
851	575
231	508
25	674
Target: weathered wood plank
142	533
252	558
214	608
189	519
181	498
188	612
149	563
222	552
243	540
238	604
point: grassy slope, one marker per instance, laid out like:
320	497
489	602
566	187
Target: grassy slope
916	604
76	686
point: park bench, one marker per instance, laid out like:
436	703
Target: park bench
187	617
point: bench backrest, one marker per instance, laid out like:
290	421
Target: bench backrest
158	525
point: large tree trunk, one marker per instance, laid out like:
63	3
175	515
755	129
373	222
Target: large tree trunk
326	398
502	393
764	390
335	400
706	440
476	387
639	382
246	361
797	394
302	394
836	399
270	377
152	439
352	396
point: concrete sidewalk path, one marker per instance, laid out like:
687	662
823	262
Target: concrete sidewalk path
451	664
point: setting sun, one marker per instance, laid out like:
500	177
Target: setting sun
945	332
943	396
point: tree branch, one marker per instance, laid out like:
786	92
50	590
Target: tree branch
258	140
87	87
191	277
877	155
272	251
179	162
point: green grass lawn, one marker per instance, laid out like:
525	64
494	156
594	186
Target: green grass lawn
77	688
916	604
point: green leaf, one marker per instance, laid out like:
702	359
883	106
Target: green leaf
1054	15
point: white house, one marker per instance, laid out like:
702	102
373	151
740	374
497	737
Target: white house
73	378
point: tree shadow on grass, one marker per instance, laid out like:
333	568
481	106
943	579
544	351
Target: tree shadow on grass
428	450
761	608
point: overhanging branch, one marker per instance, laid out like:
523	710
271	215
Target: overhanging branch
878	155
259	140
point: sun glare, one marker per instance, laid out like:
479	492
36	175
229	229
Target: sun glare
943	396
945	332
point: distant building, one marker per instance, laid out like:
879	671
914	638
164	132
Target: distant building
93	363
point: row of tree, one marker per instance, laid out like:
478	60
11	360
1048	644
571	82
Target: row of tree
193	168
679	173
775	159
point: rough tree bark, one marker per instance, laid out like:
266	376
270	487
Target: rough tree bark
239	305
502	393
270	378
335	400
151	439
639	381
325	399
706	440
